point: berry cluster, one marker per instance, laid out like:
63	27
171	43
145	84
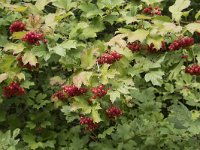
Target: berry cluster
72	90
181	43
14	89
69	91
17	26
152	49
109	58
152	11
34	38
114	112
99	91
27	66
89	122
193	70
60	95
134	47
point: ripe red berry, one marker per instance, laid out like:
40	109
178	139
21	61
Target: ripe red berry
60	95
114	112
99	91
193	70
90	125
34	38
134	47
68	91
109	58
181	43
17	26
13	89
152	11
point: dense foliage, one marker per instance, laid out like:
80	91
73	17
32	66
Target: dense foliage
99	74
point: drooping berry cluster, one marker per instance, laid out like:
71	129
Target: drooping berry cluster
134	47
181	43
193	70
152	11
152	49
34	38
14	89
90	125
72	90
60	95
114	112
99	91
109	58
68	91
17	26
27	66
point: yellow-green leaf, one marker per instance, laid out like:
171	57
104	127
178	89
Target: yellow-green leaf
28	57
139	35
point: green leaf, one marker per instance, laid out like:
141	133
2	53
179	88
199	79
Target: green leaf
59	50
155	77
114	95
81	104
69	44
139	35
90	10
95	114
177	8
157	41
28	57
88	59
106	132
197	15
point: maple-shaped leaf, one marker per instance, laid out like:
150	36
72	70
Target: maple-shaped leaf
138	35
88	58
193	27
177	9
157	41
82	78
117	40
28	57
155	77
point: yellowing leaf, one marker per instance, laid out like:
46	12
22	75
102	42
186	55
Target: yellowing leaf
150	2
81	104
193	27
21	9
17	48
28	57
95	114
82	78
3	77
18	35
40	4
117	40
157	41
56	80
113	95
139	35
177	8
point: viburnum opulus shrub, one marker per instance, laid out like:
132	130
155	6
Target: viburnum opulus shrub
99	74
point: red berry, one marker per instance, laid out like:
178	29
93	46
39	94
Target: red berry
193	70
114	112
34	38
13	89
90	125
181	43
99	91
17	26
109	58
